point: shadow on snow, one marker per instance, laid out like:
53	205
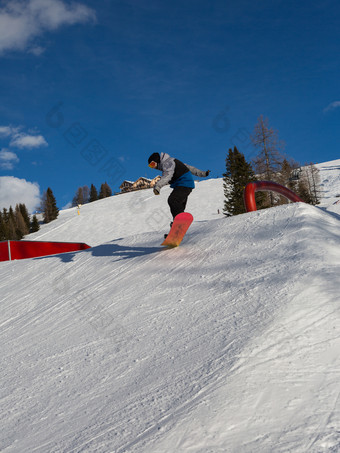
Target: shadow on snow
114	250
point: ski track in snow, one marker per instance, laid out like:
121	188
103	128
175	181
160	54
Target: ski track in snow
229	343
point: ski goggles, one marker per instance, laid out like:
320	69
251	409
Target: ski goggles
153	164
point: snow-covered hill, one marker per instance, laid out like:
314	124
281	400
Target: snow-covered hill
229	343
130	213
330	185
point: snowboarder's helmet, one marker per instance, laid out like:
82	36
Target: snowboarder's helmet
154	160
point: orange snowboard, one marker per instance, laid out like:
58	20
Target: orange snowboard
180	226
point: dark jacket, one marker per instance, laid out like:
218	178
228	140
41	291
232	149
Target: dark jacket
176	173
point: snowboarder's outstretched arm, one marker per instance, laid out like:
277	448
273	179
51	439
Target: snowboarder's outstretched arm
195	171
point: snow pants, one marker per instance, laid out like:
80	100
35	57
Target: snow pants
178	200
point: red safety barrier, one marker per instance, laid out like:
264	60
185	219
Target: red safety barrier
4	251
18	250
252	187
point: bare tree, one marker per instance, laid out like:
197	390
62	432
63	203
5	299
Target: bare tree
86	194
268	161
265	140
312	180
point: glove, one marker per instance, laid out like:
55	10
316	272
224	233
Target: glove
155	191
207	173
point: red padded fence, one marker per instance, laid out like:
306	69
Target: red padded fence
18	250
4	251
252	187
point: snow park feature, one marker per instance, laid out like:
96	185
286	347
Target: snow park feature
228	343
252	187
18	250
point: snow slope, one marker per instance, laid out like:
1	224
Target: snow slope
229	343
129	214
330	185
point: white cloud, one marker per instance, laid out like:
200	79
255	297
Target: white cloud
14	190
23	20
6	131
22	140
7	159
17	139
332	106
51	14
36	50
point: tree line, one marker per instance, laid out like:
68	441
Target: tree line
88	195
269	164
16	223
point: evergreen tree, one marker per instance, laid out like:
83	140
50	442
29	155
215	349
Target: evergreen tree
2	228
12	231
34	225
20	225
93	194
12	224
105	191
49	206
24	212
303	191
78	199
238	174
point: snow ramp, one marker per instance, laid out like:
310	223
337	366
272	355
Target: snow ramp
227	343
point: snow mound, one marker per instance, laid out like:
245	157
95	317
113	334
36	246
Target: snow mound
229	343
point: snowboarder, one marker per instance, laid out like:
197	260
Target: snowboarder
179	176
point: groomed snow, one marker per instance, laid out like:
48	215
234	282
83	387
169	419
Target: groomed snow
229	343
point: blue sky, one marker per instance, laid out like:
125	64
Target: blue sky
90	89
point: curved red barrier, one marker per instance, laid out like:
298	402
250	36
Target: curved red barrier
18	250
252	187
